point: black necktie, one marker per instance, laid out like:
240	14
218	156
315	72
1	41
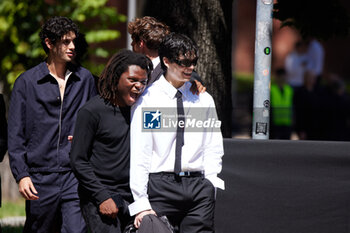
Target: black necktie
179	132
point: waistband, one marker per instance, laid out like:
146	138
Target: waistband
181	174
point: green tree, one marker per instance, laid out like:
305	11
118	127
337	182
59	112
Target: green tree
20	23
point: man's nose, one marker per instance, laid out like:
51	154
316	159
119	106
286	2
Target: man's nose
139	86
71	45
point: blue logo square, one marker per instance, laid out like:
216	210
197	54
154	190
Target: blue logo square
152	119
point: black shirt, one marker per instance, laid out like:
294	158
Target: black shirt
100	154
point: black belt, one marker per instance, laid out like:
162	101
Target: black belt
182	174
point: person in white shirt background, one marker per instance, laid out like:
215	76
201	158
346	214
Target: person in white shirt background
307	56
186	197
295	64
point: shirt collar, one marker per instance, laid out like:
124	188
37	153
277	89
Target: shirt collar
155	62
43	71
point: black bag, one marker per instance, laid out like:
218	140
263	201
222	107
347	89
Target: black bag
151	224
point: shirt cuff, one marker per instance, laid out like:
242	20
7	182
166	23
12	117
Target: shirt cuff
22	175
217	182
101	196
139	206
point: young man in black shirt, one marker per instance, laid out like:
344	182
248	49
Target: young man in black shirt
101	145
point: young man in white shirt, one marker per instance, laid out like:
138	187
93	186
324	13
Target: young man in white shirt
185	193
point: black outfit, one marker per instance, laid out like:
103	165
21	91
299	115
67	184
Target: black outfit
100	159
3	133
188	202
336	114
308	113
39	123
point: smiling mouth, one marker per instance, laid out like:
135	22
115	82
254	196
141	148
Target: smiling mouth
134	95
187	74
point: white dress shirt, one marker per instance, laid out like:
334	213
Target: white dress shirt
295	65
155	61
154	151
315	55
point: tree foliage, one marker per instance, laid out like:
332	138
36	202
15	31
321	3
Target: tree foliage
20	23
314	18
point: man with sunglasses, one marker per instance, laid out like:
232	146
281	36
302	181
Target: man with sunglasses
174	172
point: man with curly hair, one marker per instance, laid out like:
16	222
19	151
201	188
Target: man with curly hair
43	108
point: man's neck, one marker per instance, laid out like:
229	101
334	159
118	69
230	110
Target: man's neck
58	69
176	83
151	54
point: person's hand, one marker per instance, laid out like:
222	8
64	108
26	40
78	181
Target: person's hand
197	87
109	208
139	216
70	138
27	189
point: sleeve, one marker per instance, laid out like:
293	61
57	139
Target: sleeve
16	131
290	64
213	150
140	161
195	76
81	152
3	128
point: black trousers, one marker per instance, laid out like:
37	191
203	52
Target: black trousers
57	209
98	223
188	202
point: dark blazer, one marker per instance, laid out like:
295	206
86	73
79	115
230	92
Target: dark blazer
156	73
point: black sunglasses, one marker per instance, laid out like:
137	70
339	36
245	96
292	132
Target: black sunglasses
186	62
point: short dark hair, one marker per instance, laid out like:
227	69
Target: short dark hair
55	28
116	66
175	45
148	29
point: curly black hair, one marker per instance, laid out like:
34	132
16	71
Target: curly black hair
55	28
116	66
174	45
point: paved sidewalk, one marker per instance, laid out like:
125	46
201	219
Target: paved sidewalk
12	221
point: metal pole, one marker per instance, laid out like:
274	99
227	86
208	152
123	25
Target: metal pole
262	69
131	16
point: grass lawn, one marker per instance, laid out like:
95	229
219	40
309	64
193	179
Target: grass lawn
12	208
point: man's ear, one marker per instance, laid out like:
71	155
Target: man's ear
141	43
48	43
166	61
